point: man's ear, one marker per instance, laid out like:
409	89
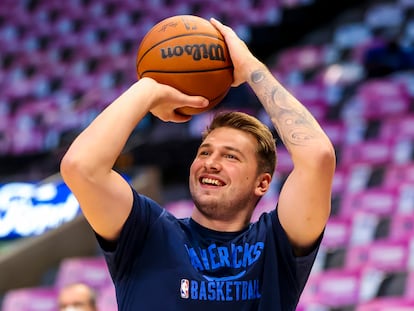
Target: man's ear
263	184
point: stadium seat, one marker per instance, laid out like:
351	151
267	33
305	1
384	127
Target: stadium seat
378	200
180	208
300	58
334	129
398	127
337	232
336	288
387	255
398	174
373	152
386	304
89	270
350	35
401	226
30	299
375	95
364	227
384	15
106	299
314	97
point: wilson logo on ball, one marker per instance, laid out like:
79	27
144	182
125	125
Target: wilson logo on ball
212	51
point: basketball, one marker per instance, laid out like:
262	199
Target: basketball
187	52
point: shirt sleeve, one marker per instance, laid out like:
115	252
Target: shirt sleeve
299	267
120	254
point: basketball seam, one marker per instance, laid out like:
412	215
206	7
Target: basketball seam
186	71
174	37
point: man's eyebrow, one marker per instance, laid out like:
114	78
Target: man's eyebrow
229	148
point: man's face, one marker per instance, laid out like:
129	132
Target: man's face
75	298
223	175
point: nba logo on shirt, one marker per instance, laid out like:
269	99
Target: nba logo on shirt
185	288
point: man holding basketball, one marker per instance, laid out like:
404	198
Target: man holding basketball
217	259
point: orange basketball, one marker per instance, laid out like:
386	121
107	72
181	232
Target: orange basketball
188	53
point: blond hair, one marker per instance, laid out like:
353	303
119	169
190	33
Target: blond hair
266	146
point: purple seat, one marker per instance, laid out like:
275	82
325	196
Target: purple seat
26	139
106	299
300	58
382	98
337	232
265	205
387	304
30	299
90	270
335	130
284	161
401	226
180	208
372	152
336	288
398	174
378	201
398	127
389	255
314	96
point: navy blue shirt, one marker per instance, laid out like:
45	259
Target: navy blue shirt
164	263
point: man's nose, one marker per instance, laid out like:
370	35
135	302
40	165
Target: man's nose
212	163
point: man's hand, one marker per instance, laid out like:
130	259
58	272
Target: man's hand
244	62
166	100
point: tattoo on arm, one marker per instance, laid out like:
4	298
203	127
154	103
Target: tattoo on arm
293	122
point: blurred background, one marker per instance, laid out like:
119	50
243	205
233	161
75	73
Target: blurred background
351	63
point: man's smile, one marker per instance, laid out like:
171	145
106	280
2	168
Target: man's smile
211	181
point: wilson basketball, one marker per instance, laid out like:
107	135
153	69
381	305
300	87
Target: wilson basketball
188	53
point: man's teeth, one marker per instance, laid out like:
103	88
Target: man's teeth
210	181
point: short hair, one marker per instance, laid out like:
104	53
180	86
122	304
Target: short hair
266	145
92	300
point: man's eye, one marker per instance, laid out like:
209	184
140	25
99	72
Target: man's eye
230	156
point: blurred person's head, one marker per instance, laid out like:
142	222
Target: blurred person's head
77	297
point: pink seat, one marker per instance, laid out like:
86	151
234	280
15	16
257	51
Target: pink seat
335	131
106	299
313	96
180	208
30	299
381	98
340	181
337	232
398	127
398	174
301	58
368	152
309	297
384	255
364	227
409	286
336	288
90	270
401	225
379	201
284	161
387	304
265	205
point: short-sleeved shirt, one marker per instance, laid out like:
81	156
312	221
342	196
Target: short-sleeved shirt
164	263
